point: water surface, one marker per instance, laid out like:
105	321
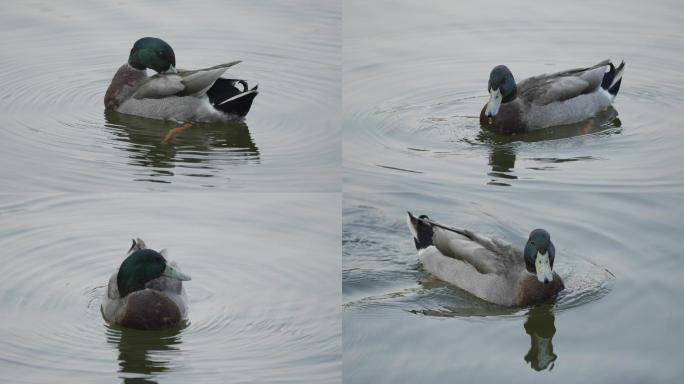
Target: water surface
415	80
58	60
609	190
264	299
617	321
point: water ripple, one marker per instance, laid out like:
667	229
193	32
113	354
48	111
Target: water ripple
52	90
251	308
419	110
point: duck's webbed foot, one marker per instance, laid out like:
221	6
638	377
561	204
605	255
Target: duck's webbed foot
171	134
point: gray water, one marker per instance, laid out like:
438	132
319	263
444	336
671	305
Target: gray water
366	110
58	59
264	300
609	190
254	259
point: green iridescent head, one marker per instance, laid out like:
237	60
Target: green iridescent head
153	53
142	266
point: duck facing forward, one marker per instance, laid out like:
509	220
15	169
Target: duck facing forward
490	269
173	94
548	100
146	292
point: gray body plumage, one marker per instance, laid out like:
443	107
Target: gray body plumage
185	108
490	269
180	96
555	99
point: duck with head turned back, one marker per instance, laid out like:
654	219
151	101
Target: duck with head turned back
548	100
490	269
146	292
174	94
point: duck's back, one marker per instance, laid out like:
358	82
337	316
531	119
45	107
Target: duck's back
563	98
561	86
488	269
491	287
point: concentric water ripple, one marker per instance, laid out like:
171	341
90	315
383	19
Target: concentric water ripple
381	267
607	189
613	251
56	135
264	311
412	108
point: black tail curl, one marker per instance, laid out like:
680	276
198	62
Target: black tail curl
613	78
422	231
227	89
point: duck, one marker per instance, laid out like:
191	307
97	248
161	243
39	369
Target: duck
146	292
548	100
200	95
490	269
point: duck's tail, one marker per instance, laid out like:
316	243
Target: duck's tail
227	97
138	244
613	78
421	231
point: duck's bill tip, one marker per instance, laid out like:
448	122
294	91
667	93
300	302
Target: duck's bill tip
494	103
543	269
175	273
171	70
544	279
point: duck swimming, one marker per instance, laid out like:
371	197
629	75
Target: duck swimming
146	292
548	100
174	94
490	269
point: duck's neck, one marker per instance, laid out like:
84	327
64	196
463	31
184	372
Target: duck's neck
510	95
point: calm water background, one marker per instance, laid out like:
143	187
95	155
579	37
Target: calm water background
57	60
609	190
264	297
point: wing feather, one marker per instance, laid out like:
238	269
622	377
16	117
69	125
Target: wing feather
546	89
183	83
198	82
471	250
160	86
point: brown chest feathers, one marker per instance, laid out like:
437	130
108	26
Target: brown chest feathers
149	309
532	291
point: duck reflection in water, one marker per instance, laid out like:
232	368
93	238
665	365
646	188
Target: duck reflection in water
540	325
503	148
143	355
208	145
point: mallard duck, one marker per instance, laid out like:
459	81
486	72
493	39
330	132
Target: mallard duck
490	269
146	292
548	100
174	94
